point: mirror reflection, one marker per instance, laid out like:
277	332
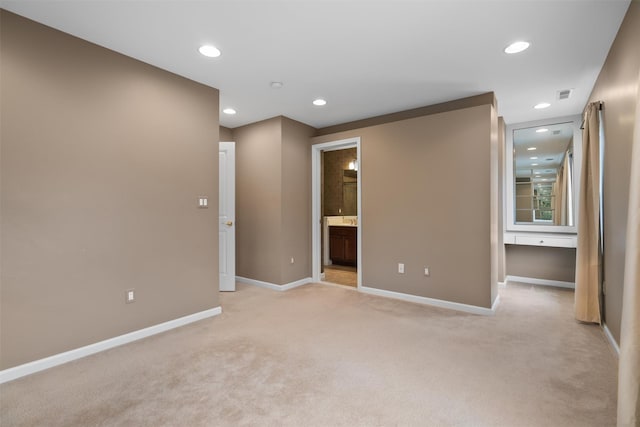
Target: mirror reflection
350	191
340	182
544	177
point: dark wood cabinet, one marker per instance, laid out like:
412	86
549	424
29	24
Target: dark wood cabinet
343	245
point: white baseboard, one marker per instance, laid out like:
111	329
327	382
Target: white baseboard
273	286
502	284
542	282
494	306
78	353
432	301
611	339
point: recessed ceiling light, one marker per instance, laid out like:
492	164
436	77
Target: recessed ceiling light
533	158
210	51
542	130
276	85
229	111
538	176
534	164
516	47
531	148
541	105
319	102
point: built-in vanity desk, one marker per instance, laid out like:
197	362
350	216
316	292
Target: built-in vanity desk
542	171
343	244
541	239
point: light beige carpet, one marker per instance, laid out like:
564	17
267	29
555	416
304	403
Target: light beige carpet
327	356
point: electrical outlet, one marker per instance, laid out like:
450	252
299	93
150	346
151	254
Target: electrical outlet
427	272
130	296
401	268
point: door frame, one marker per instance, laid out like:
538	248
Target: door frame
316	202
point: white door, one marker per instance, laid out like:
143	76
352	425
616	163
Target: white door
226	223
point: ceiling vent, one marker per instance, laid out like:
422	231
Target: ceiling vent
564	94
556	132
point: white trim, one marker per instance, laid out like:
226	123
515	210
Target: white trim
496	303
359	212
273	286
611	339
316	226
542	282
473	309
78	353
502	284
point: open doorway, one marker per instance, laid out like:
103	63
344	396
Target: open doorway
337	212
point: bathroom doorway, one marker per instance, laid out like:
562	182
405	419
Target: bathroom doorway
336	169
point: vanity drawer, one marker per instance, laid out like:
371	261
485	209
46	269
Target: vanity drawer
560	242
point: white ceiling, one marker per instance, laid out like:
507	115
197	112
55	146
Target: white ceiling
365	58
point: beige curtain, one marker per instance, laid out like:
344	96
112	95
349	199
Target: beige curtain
587	295
561	192
566	182
557	200
629	367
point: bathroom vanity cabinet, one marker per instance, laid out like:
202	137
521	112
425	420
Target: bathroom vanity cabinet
343	249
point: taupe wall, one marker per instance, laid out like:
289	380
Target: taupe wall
617	86
334	164
541	262
501	199
296	200
259	200
273	200
426	201
495	209
226	134
103	158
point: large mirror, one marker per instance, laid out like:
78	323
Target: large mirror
542	175
340	182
